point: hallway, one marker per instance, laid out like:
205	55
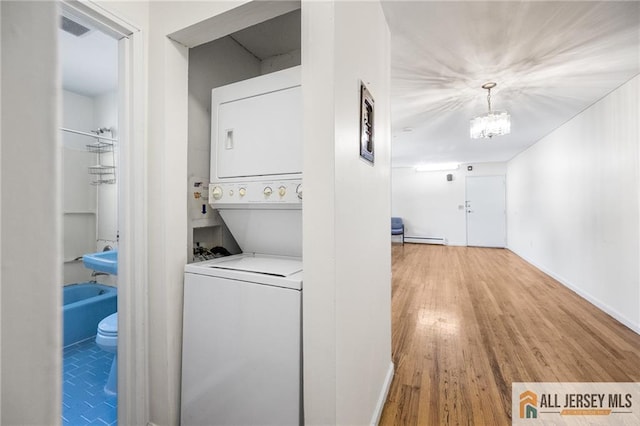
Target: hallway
467	322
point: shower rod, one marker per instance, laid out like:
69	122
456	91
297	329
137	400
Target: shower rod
93	135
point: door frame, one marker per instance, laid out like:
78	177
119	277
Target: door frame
132	354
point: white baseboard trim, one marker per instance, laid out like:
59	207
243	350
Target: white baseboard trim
588	297
384	392
457	244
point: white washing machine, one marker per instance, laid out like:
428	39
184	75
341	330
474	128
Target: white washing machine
242	341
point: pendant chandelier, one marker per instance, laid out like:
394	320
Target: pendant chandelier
493	123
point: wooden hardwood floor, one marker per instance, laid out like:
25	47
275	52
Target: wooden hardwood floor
467	322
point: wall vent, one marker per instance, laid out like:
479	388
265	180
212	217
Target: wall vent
72	27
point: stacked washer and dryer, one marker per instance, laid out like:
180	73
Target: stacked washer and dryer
242	335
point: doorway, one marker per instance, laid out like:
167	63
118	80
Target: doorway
120	184
88	60
486	211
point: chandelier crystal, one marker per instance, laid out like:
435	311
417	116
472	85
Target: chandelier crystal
493	123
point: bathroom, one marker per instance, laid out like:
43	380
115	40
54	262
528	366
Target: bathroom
89	136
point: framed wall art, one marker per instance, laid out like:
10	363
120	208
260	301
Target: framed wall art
367	116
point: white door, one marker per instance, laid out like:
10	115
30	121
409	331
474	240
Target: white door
486	220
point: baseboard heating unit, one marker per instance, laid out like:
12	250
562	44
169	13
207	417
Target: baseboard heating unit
425	240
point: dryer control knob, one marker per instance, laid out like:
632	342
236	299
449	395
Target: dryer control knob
242	192
267	191
216	192
282	191
299	191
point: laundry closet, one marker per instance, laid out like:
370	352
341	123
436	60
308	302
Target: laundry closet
242	312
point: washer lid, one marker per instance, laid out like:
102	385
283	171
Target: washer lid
276	266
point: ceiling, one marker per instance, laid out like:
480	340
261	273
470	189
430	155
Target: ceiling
273	37
551	60
89	63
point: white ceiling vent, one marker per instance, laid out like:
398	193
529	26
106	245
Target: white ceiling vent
72	27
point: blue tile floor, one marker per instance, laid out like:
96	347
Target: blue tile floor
84	402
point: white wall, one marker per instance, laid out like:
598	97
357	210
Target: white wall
106	115
31	222
363	205
431	206
77	114
346	242
79	196
90	211
572	204
319	240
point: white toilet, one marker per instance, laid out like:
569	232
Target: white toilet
107	339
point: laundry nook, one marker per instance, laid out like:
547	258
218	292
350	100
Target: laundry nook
249	304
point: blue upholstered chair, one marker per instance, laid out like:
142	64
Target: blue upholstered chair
397	227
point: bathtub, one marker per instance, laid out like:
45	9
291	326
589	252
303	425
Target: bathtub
84	306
